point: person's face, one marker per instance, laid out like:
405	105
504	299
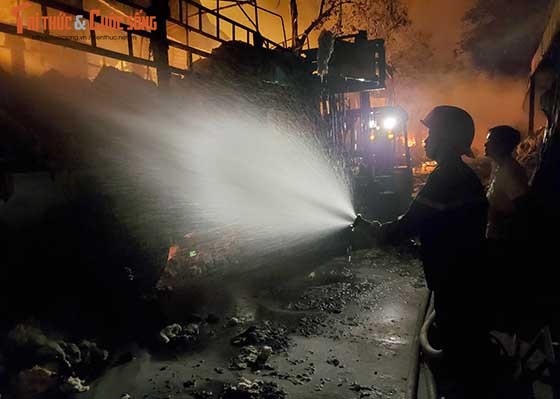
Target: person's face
430	146
492	147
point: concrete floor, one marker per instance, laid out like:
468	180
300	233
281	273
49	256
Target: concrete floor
368	330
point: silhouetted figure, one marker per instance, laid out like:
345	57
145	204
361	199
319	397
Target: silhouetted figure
449	216
507	225
540	280
508	187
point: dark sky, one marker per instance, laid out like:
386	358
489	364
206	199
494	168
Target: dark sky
499	36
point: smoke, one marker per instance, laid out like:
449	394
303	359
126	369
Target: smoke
435	69
442	21
491	100
445	73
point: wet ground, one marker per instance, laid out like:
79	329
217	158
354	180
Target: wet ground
338	330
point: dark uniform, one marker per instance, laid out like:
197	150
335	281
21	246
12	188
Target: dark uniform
449	216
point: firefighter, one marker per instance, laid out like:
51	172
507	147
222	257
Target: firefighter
449	216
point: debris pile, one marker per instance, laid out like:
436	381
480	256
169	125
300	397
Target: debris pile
331	298
253	357
200	254
257	389
35	381
180	336
41	363
74	385
266	334
311	325
258	344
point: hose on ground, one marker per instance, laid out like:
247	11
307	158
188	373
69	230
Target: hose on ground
427	349
431	387
426	317
414	371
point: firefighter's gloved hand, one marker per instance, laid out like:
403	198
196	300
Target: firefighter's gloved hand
360	221
372	228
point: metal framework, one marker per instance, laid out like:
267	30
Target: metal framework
240	3
188	15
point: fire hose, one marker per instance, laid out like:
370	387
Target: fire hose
427	348
421	346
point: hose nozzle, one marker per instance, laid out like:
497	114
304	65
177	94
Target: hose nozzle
372	228
359	221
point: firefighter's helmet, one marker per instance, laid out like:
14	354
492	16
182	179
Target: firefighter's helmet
453	125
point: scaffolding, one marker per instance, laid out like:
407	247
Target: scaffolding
185	28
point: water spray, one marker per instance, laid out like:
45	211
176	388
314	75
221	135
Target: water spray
349	247
202	159
358	221
223	166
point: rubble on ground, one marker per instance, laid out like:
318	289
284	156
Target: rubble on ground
43	363
200	254
30	345
331	298
275	337
257	389
258	344
311	325
74	385
92	354
72	352
35	381
178	335
251	357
